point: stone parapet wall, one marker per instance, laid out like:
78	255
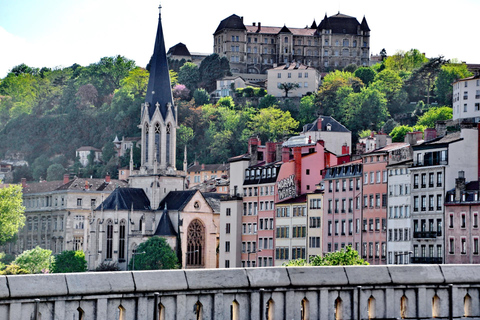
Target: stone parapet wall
384	292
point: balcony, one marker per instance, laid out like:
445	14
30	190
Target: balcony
426	260
425	234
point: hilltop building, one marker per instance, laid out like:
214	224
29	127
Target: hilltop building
307	78
83	153
466	98
338	41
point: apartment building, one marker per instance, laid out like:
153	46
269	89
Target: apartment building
466	98
314	227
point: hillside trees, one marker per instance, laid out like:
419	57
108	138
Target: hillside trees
11	212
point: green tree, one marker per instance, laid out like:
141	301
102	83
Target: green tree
226	102
40	166
435	114
189	75
11	212
108	151
366	74
398	133
136	82
272	124
69	261
212	68
287	87
35	260
448	74
344	257
13	269
406	61
267	101
154	254
55	172
307	110
201	97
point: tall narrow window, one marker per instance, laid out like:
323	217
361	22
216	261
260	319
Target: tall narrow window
195	243
157	141
146	142
167	144
121	241
109	239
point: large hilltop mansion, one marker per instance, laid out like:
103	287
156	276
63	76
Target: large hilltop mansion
338	41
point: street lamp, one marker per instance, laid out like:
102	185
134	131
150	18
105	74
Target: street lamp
133	259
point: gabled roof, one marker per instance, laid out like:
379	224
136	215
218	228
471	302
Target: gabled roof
314	25
126	199
159	90
165	226
177	200
335	126
364	25
232	22
179	50
213	200
93	184
440	141
266	30
209	167
285	30
45	186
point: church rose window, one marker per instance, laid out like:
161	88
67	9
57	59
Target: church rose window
195	244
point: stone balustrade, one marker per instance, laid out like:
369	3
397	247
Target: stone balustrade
360	292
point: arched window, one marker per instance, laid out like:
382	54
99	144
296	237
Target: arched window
198	310
467	306
140	224
109	239
338	309
371	307
270	311
121	313
435	306
235	310
121	241
195	244
403	307
81	314
157	141
304	311
146	142
167	145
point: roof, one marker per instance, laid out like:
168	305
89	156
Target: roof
471	188
88	148
177	200
314	25
364	25
284	30
276	30
440	141
165	226
126	199
213	200
387	148
349	169
335	126
179	50
232	22
293	66
44	186
77	184
340	23
209	167
241	157
159	90
300	199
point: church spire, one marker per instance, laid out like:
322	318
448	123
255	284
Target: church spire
159	92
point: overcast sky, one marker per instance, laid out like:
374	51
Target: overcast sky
51	33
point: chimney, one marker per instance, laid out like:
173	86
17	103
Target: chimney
271	150
278	151
203	166
285	154
254	24
107	178
86	185
253	141
253	154
459	186
319	124
345	149
309	139
259	26
66	178
24	183
430	134
297	157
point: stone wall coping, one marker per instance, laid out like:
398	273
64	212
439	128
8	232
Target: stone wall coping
45	285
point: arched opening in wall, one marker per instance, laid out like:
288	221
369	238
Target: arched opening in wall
235	310
145	141
198	310
109	252
435	306
121	241
121	313
157	141
403	307
195	244
338	309
270	309
161	312
167	144
81	314
371	307
304	310
467	306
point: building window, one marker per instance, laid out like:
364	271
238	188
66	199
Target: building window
195	243
109	239
121	241
79	202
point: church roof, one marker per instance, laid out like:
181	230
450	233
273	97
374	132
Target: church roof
213	200
165	226
159	90
126	199
176	200
232	22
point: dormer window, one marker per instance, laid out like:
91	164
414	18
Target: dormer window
274	172
258	174
247	174
269	173
264	173
329	127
